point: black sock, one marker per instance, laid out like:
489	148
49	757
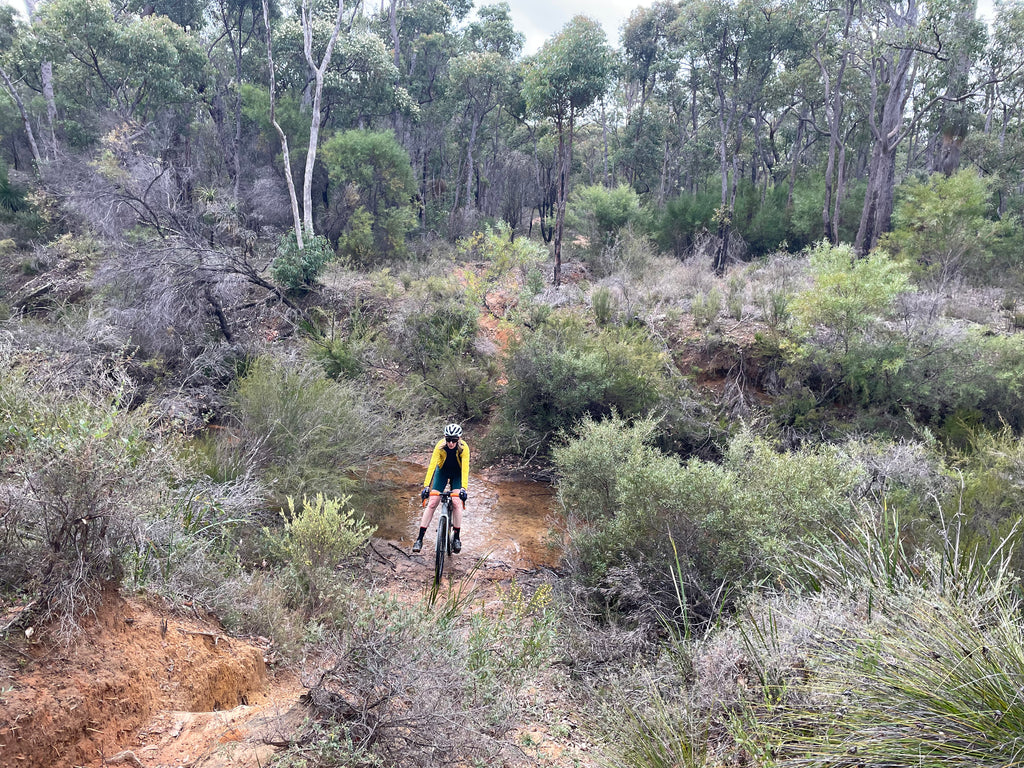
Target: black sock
456	530
422	531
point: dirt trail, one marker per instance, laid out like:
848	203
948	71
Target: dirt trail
160	688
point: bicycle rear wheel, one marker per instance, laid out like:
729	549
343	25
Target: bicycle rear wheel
440	548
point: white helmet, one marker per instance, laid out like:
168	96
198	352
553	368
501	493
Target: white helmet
453	430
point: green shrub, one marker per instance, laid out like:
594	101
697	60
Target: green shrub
605	307
733	524
298	269
371	188
323	532
991	493
600	214
304	430
343	348
439	334
502	253
762	221
313	540
682	218
706	307
943	226
459	388
849	293
562	371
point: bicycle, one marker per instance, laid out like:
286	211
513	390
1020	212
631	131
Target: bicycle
443	545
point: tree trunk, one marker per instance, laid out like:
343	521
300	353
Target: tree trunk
563	174
314	121
33	147
296	219
469	159
876	216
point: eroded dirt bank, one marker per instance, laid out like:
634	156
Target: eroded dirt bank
83	705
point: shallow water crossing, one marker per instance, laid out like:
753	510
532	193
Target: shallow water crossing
508	521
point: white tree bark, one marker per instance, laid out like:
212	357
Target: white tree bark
297	221
319	70
9	85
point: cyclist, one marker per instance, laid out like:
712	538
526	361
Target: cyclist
448	464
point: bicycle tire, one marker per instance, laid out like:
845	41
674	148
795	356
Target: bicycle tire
440	548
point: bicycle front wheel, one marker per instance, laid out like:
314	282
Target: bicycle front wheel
440	549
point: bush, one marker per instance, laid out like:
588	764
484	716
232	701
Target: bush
683	218
304	430
562	372
297	269
314	539
929	636
849	293
405	684
600	214
726	526
371	189
943	228
79	475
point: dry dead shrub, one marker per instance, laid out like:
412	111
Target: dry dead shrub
430	684
78	475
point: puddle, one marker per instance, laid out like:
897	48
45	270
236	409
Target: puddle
508	521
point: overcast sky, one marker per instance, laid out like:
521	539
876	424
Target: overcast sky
539	19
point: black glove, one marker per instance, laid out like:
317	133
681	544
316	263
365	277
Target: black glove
424	493
462	494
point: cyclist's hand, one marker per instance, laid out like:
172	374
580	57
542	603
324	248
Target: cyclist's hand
424	493
462	494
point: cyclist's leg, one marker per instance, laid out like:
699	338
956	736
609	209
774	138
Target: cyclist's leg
456	504
437	485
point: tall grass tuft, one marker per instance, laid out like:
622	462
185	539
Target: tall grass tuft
936	687
931	677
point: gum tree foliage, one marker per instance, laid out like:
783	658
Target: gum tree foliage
371	192
569	73
135	67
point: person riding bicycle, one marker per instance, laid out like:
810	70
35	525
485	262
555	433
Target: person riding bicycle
448	464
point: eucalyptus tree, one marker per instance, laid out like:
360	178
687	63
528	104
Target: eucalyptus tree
318	65
424	40
480	83
569	73
238	23
647	62
957	41
738	49
134	67
10	29
999	146
887	43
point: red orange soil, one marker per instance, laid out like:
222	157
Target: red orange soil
143	687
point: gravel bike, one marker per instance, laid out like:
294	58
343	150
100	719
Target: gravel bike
443	543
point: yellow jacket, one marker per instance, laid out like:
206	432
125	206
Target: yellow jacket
438	457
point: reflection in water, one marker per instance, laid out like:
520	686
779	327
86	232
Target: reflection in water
509	520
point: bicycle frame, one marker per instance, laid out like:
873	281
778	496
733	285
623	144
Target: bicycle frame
443	543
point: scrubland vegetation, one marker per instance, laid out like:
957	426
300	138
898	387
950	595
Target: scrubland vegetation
783	421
